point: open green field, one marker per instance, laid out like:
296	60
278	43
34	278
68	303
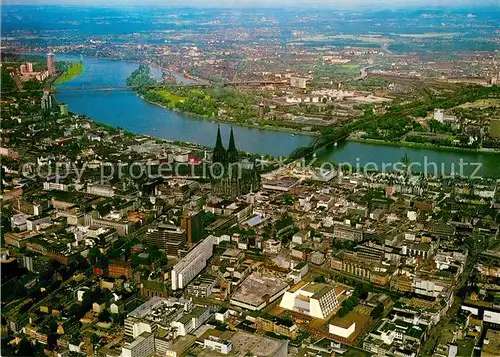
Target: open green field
72	71
337	72
169	96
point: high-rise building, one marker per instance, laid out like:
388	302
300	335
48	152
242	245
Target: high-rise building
46	100
193	225
22	69
170	238
51	63
29	67
495	128
192	264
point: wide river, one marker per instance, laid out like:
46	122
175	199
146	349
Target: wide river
124	109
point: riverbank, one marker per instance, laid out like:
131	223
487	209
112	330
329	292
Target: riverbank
422	146
201	117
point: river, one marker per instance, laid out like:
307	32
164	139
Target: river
125	109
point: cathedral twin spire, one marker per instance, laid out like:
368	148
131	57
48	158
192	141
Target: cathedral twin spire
220	154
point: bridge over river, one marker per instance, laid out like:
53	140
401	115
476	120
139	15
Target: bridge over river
52	88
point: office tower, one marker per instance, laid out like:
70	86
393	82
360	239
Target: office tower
193	225
51	63
169	238
46	100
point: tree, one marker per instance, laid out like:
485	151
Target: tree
94	339
490	296
32	84
104	316
361	291
343	311
113	253
319	279
348	305
288	320
52	341
74	310
94	255
8	83
20	291
288	198
141	77
25	349
53	325
377	311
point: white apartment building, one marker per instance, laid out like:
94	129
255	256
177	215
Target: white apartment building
193	263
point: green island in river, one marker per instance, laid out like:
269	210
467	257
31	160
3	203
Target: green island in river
216	103
72	70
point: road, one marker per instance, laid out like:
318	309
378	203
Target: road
435	333
363	73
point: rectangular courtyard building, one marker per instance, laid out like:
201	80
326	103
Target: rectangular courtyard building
257	291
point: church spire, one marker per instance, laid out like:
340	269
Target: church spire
232	152
219	153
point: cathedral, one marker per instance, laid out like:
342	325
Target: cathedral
229	178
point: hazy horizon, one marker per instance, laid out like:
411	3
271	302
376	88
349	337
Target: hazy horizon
260	3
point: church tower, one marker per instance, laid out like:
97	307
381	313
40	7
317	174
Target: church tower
219	153
226	181
232	152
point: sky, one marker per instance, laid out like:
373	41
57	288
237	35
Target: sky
262	3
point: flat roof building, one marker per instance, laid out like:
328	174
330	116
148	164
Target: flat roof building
257	291
346	329
193	263
283	184
170	238
142	346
